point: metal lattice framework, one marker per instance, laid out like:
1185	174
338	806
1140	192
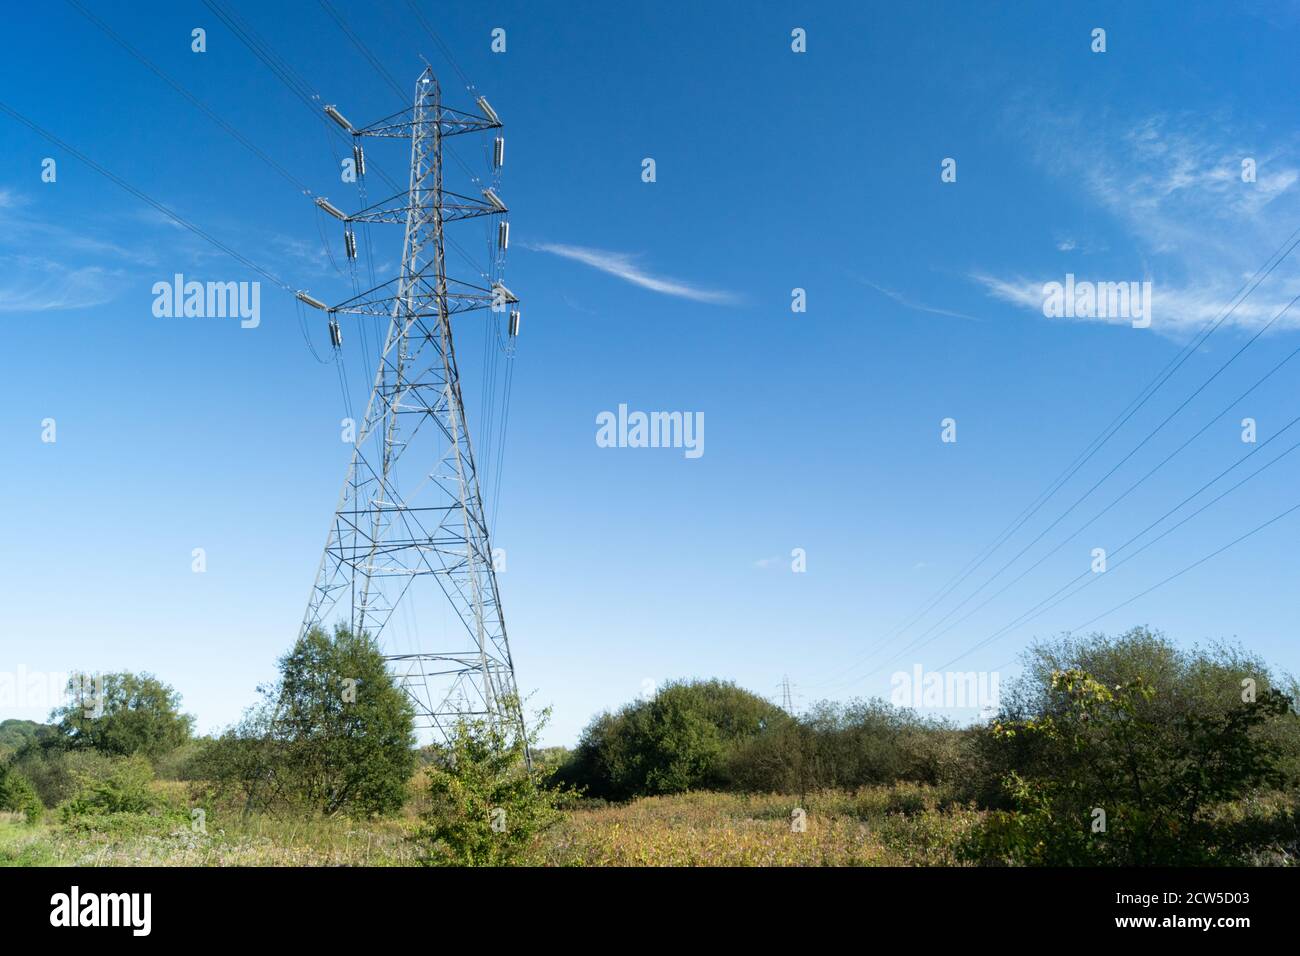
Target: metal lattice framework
410	527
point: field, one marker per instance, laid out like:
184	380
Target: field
872	827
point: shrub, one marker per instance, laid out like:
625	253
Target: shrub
18	795
54	773
118	785
485	804
684	738
183	763
16	735
1129	771
335	734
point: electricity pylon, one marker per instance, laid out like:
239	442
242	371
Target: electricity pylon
410	530
787	697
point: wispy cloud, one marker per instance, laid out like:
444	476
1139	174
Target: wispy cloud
29	236
623	265
1173	185
1182	307
40	285
917	306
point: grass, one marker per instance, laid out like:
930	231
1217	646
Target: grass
257	841
878	826
717	829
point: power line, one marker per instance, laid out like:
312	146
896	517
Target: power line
923	640
199	104
1190	567
1138	447
1242	294
301	187
1034	611
433	35
365	51
285	73
139	194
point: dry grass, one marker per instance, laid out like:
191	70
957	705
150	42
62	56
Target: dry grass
259	841
881	826
716	829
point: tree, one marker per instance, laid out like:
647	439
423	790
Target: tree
17	795
485	804
1122	756
122	714
335	732
681	739
16	735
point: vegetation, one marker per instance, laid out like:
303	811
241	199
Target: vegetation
684	738
486	806
1121	752
17	734
1108	751
334	735
123	714
711	735
17	795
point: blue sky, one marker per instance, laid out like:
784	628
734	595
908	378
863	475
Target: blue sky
774	170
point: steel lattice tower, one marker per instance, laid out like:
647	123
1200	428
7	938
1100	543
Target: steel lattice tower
410	518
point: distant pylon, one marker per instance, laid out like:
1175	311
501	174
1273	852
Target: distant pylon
410	530
787	702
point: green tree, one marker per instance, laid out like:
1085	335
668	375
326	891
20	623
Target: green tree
122	714
16	735
485	804
17	794
1154	737
335	732
681	739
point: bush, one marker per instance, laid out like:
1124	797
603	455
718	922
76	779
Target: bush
119	785
485	804
16	735
713	735
685	738
18	795
1129	762
335	734
183	763
54	773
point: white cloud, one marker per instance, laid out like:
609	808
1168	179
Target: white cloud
40	285
623	266
1181	307
1173	186
1025	293
918	306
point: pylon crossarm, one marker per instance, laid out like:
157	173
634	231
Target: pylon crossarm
397	208
420	302
451	123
